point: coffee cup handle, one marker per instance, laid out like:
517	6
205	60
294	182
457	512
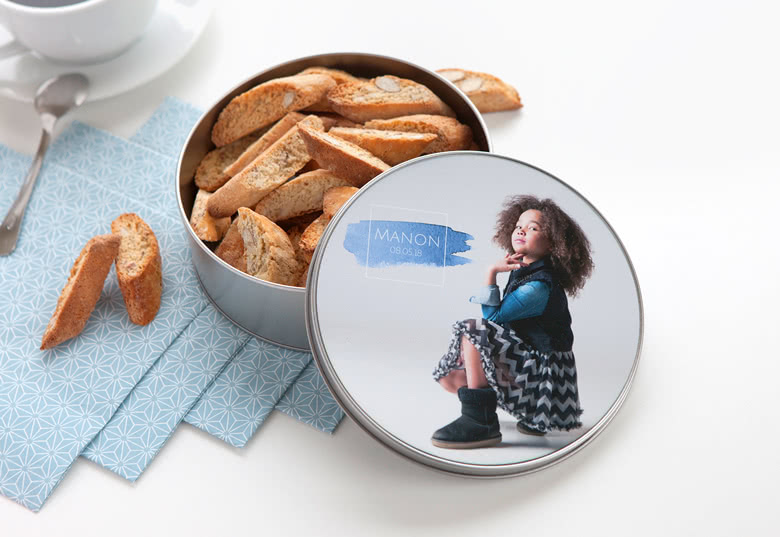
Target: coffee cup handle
12	48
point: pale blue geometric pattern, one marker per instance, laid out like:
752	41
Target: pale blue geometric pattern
168	128
310	401
153	410
245	393
119	165
52	403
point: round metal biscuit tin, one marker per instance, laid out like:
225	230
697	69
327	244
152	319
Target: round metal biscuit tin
267	310
404	289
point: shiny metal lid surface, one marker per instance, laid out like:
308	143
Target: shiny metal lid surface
395	270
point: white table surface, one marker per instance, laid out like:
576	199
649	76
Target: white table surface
665	115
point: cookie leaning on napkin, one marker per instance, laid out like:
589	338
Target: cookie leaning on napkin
133	246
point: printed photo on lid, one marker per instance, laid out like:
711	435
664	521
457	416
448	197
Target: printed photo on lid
498	282
518	354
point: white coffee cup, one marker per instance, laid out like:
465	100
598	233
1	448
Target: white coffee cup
75	31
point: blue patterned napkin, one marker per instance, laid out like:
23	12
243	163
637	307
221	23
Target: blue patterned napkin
52	405
153	410
245	393
310	401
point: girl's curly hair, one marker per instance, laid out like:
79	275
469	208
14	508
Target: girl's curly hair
570	248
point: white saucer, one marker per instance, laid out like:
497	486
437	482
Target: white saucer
174	28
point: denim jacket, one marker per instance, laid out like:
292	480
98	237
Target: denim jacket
534	306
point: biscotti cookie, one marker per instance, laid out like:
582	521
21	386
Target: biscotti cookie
298	196
264	104
341	77
263	143
231	248
138	267
82	290
311	236
304	275
295	233
205	226
452	134
268	171
269	253
310	167
346	160
392	147
211	173
303	221
487	92
335	197
385	97
335	120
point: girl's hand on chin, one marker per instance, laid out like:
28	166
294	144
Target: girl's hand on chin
508	263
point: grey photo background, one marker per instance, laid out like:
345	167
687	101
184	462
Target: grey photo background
383	337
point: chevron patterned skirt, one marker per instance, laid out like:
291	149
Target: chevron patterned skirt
537	388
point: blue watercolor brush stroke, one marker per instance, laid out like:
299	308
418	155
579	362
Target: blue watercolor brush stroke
400	243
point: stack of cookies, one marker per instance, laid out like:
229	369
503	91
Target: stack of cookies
291	151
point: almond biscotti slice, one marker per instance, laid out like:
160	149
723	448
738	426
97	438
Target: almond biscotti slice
345	159
205	226
311	236
231	248
304	275
452	134
263	143
82	290
335	120
385	97
268	171
487	92
295	233
341	77
298	196
138	267
392	147
211	173
264	104
269	253
310	167
304	220
335	197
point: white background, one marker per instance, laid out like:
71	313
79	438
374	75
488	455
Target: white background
665	115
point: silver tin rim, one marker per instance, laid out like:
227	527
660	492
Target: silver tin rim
325	59
395	444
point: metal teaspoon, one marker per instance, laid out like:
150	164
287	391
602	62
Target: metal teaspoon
53	99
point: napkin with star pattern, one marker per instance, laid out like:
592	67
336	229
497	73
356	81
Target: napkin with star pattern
116	393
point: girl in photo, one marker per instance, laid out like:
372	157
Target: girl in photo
519	354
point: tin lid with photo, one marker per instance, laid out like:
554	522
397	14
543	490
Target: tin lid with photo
475	314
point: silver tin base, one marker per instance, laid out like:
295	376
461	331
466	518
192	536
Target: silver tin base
273	313
254	334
